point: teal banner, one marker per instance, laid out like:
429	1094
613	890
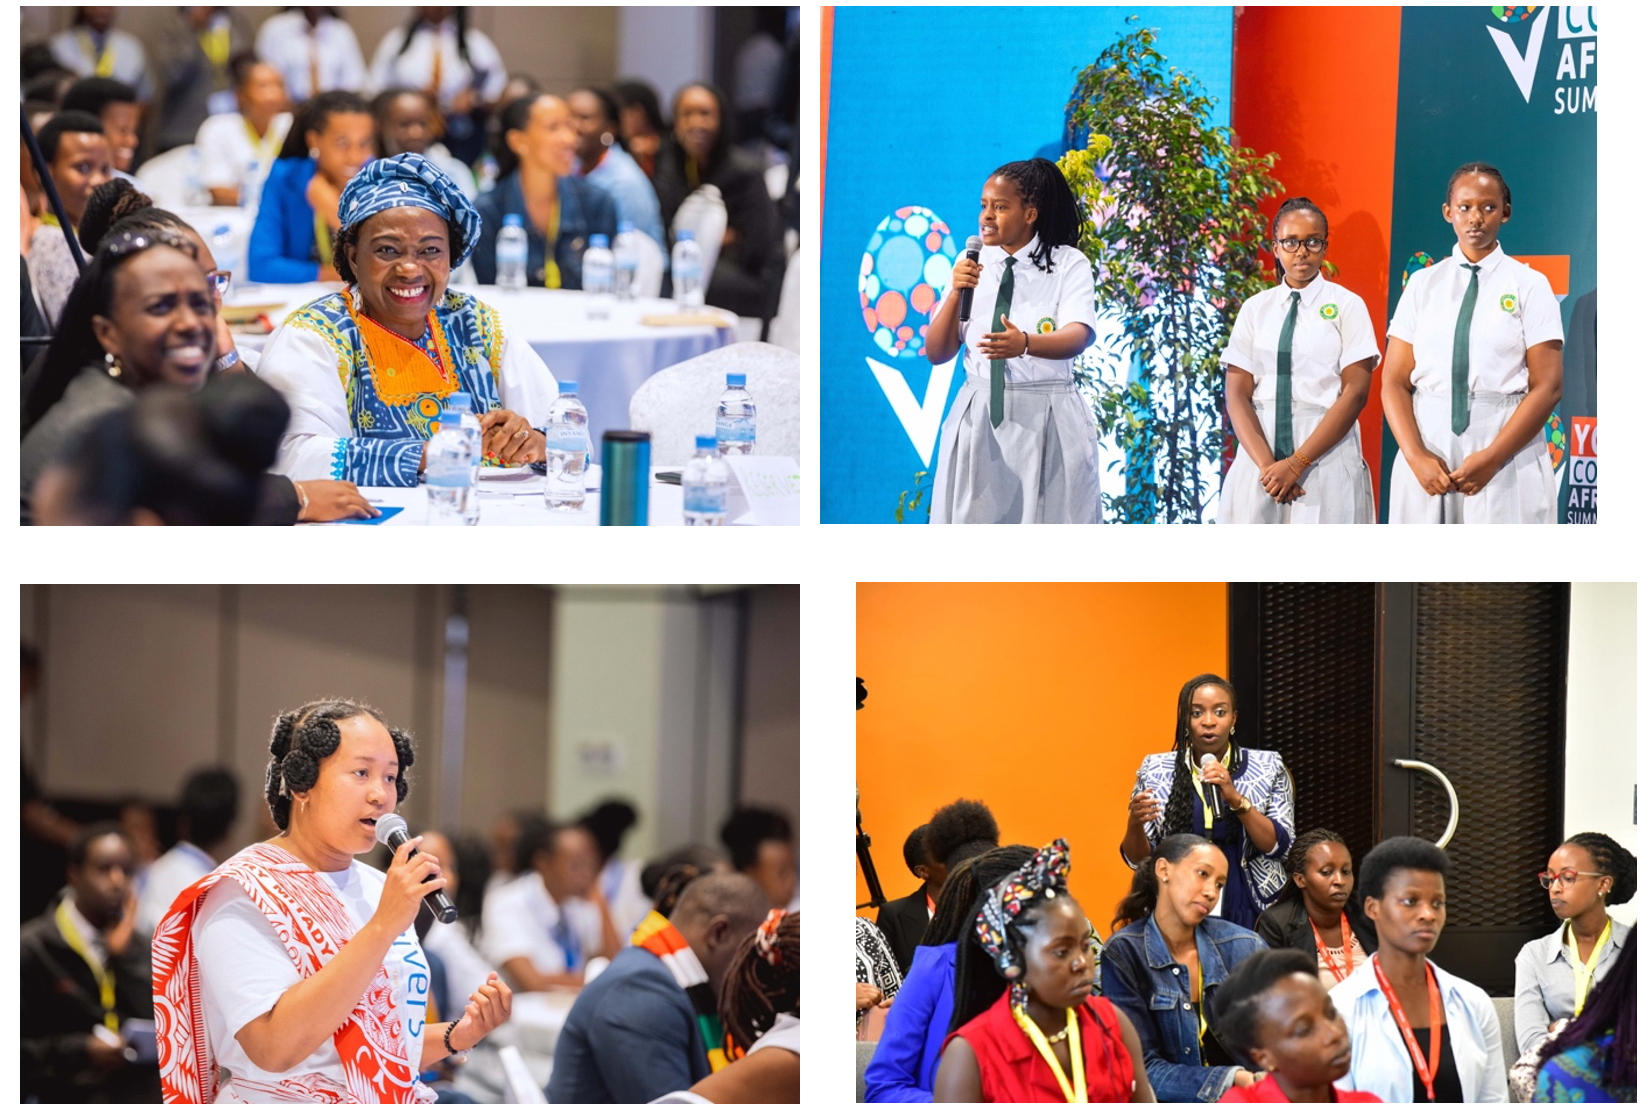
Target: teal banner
1514	87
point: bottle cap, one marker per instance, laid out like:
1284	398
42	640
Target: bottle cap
569	387
598	241
459	401
684	235
736	381
705	443
626	225
511	219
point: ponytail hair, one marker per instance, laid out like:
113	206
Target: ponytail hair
1141	899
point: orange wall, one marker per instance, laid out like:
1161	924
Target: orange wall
827	24
1331	116
1039	699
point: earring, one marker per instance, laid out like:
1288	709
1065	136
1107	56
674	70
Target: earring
111	362
607	138
314	152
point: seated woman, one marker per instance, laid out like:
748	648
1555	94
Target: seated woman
1419	1034
1587	873
1165	964
1027	1026
1241	799
700	152
906	1058
1275	1014
292	238
1595	1057
77	154
559	210
1318	912
366	369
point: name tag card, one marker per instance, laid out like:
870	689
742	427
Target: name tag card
772	486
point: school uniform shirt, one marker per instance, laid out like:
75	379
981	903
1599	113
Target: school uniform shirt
1381	1062
229	149
520	918
115	53
245	968
413	67
287	42
1044	301
1332	332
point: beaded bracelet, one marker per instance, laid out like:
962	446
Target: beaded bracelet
447	1039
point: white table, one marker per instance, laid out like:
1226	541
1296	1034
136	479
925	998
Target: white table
519	501
610	359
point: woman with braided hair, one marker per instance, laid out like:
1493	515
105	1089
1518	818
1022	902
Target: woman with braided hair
1319	912
1019	445
301	979
1241	799
1027	1025
1585	875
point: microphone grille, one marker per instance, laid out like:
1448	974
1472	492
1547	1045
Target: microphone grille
975	242
387	824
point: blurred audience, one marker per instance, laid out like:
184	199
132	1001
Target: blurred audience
116	104
313	50
93	47
238	146
641	123
603	161
542	927
330	140
193	55
409	122
77	156
760	843
619	880
457	65
206	814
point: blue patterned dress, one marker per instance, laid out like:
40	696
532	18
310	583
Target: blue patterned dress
353	420
1577	1075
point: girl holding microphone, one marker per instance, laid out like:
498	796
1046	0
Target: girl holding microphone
1019	445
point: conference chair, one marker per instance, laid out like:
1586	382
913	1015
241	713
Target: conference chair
785	329
705	214
679	402
650	266
167	177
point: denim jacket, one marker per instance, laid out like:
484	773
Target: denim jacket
1140	977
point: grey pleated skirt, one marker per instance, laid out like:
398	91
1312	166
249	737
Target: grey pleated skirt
1040	466
1524	491
1336	488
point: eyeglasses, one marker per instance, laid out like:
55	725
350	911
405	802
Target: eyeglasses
1313	245
220	281
1565	878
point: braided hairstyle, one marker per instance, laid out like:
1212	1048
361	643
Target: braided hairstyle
1294	861
758	988
979	982
1611	1007
1612	859
1177	815
1488	171
1042	186
1295	204
1141	899
957	904
303	737
1235	1007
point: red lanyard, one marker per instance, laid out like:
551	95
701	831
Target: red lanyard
1428	1071
1346	946
930	899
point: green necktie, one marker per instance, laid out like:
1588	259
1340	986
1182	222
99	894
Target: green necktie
1458	362
1005	295
1283	436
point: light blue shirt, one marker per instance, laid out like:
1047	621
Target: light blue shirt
622	179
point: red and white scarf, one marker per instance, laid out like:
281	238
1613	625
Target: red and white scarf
308	917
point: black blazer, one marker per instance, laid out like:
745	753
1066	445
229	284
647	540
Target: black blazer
903	921
1285	925
61	1001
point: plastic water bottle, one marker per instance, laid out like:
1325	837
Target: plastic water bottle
598	279
626	260
510	252
449	477
458	414
705	485
223	250
685	272
194	183
736	419
252	185
566	450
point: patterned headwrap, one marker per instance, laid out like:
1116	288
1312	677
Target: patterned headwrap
766	934
1042	878
410	181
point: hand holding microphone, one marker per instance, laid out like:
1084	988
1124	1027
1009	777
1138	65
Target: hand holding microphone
965	275
1214	774
413	873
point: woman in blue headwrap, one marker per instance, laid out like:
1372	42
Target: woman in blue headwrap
367	370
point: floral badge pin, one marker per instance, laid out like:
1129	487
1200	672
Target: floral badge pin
1329	312
1045	325
1509	303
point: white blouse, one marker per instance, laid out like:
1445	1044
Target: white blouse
1515	310
1043	302
1332	332
414	67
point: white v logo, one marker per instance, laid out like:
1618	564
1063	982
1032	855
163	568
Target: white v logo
921	422
1522	66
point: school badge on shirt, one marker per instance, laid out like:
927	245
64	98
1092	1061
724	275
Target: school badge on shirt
1329	312
1509	303
1045	326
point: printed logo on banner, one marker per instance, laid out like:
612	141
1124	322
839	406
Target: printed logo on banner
904	272
1416	262
1582	507
1576	73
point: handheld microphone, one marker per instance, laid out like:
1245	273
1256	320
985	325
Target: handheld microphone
1203	767
965	304
391	831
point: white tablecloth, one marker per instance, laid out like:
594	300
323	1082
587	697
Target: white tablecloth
610	359
513	502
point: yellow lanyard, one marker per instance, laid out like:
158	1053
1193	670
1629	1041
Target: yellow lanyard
323	239
1075	1089
1197	776
552	231
50	220
262	148
215	45
1202	1025
105	978
1584	972
104	65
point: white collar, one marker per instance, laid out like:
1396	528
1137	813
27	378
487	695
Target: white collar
1489	262
1556	945
1310	295
994	253
90	933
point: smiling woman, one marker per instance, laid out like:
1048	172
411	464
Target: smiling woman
307	958
368	371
